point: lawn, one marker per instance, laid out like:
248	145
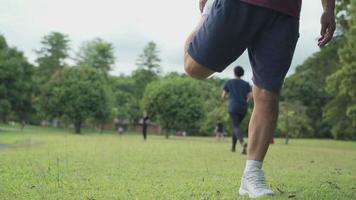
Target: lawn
44	163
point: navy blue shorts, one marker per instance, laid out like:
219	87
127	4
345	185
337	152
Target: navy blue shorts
233	26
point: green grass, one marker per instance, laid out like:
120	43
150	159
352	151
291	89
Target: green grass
43	163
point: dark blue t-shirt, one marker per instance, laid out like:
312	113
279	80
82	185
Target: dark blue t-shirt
238	91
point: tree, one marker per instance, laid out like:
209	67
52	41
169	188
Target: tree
148	68
293	120
307	85
343	15
148	71
52	55
77	94
16	85
341	110
149	59
215	107
5	109
104	112
126	106
142	78
97	54
175	104
213	115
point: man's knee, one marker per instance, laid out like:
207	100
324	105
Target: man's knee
194	69
260	94
266	100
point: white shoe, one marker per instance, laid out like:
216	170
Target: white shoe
253	184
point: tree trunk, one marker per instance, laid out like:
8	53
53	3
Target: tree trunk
166	130
77	126
287	138
101	128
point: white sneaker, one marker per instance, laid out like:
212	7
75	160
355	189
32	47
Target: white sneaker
253	184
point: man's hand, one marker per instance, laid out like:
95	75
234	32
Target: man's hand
328	27
202	5
224	94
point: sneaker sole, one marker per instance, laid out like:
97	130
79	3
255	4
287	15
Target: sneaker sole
243	192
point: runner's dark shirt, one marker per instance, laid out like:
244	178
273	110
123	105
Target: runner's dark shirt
238	91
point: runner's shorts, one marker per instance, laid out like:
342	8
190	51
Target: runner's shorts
233	26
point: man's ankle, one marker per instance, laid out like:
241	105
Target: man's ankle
252	165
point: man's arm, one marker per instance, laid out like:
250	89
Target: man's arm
328	5
328	24
202	5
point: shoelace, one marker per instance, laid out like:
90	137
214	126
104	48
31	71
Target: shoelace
257	179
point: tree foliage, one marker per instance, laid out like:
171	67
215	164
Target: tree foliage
52	55
97	54
148	71
293	120
149	59
174	102
142	78
125	105
343	15
77	94
16	85
307	85
341	110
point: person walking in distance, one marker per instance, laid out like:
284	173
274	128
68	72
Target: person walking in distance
219	130
269	31
145	125
239	93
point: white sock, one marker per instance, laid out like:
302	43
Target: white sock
252	165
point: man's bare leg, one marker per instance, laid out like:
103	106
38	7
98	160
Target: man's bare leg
263	123
193	68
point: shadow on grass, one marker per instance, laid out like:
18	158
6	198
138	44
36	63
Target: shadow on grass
20	144
4	146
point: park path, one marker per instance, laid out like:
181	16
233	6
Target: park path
4	146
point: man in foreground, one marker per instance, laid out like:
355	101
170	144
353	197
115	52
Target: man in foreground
269	30
239	93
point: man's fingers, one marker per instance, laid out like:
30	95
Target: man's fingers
327	37
327	28
323	42
326	40
322	33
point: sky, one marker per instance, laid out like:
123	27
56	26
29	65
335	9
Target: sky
129	26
